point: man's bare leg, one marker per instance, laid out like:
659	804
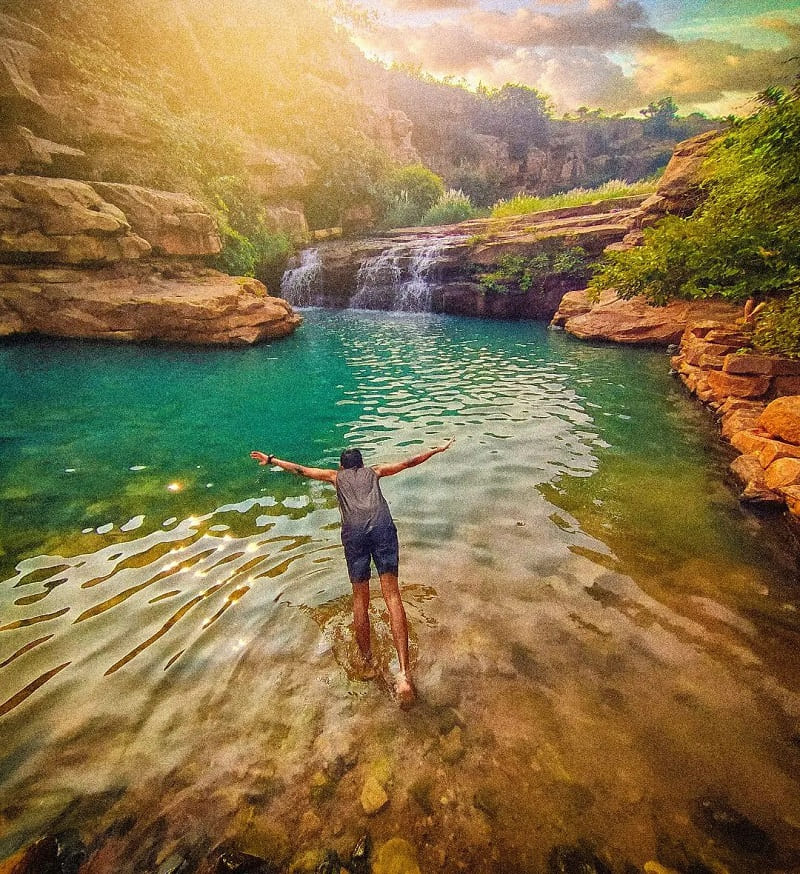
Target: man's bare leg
399	624
361	624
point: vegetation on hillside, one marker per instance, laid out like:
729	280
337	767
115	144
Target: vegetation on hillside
744	240
525	203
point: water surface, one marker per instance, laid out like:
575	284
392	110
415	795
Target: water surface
600	636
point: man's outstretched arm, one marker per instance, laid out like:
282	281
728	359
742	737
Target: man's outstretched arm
320	473
396	467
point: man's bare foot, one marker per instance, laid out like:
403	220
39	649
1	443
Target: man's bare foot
404	691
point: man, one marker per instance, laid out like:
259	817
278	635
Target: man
368	534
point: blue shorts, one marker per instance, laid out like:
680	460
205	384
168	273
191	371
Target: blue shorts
362	545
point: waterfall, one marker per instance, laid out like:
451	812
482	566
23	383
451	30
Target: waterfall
400	278
301	285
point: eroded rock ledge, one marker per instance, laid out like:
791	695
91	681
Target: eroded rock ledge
757	398
112	261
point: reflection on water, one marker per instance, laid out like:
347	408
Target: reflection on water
601	639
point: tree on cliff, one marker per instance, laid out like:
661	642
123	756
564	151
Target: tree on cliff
743	241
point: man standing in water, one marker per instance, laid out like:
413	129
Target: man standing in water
368	533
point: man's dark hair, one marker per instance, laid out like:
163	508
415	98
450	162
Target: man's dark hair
351	458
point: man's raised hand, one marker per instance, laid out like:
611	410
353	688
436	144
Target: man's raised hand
260	457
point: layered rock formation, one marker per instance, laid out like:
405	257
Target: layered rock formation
757	398
634	321
611	318
453	254
116	261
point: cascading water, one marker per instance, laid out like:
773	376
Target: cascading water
301	285
400	279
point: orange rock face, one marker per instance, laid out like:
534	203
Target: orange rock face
782	419
636	322
207	308
783	472
727	384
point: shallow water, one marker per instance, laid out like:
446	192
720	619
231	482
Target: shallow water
600	636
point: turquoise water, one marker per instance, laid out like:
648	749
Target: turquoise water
589	605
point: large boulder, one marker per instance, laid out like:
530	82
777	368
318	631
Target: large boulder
62	221
21	151
205	307
781	418
173	224
636	322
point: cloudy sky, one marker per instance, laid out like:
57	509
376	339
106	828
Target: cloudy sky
708	55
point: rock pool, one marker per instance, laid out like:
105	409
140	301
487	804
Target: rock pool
606	646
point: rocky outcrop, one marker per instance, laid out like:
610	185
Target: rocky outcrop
633	321
148	303
172	224
61	221
121	262
757	398
680	189
451	255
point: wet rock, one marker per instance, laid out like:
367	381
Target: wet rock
421	790
451	746
373	796
174	864
487	800
360	857
61	853
323	787
577	859
718	818
308	862
658	868
233	861
747	469
396	856
331	864
266	840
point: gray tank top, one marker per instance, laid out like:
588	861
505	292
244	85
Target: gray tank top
361	502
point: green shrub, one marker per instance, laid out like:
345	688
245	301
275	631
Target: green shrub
778	326
249	246
420	185
517	272
451	207
402	212
744	240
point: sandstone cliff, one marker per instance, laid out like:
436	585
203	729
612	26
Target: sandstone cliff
122	262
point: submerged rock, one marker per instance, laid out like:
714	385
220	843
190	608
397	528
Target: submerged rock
373	796
718	818
360	857
62	853
233	861
577	859
396	856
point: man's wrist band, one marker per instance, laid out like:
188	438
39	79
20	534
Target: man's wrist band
270	459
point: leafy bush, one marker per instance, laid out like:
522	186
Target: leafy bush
451	207
525	203
414	183
249	247
517	272
778	327
744	240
